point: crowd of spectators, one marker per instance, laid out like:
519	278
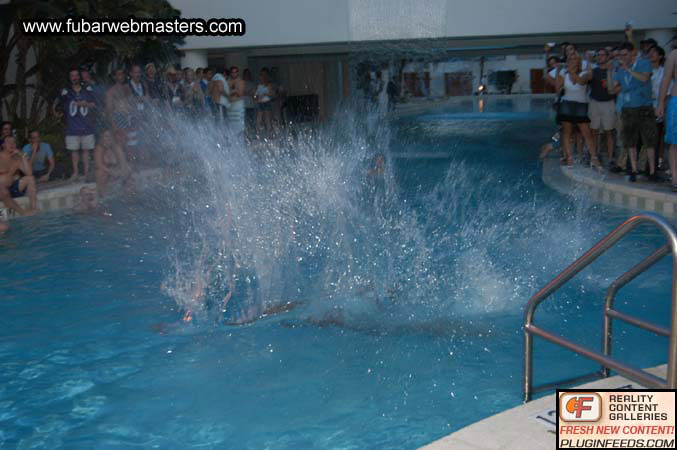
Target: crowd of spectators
608	108
110	123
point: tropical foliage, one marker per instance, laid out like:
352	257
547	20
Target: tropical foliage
41	62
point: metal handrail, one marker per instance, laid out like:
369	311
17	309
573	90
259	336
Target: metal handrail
604	358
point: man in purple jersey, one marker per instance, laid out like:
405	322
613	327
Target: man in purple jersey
77	102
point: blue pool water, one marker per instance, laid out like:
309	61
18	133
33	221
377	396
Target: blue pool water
93	353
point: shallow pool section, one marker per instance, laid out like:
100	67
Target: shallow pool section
93	353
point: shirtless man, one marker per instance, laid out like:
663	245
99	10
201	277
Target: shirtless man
11	162
118	92
110	163
670	76
236	108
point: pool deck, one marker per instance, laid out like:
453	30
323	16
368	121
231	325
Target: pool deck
530	426
610	189
63	194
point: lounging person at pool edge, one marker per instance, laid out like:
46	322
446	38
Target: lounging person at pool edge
12	161
40	156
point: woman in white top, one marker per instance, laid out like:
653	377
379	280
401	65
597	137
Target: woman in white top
263	100
573	109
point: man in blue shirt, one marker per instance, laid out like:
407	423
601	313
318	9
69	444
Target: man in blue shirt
632	82
76	103
40	157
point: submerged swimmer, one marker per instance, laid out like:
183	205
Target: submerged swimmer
378	167
89	199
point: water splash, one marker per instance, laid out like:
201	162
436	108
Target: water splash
313	222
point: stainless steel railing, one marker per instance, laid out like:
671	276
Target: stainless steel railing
604	357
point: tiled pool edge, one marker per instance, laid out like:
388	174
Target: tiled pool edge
529	426
64	195
609	189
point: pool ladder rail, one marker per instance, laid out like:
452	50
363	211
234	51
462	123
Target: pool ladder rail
604	357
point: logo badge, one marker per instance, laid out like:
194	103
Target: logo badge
580	407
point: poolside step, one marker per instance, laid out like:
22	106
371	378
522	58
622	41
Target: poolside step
525	427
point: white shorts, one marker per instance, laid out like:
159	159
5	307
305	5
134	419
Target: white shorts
602	115
75	143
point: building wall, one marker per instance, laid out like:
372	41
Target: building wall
522	64
292	22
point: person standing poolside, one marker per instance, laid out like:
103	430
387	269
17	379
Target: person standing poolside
13	161
155	87
263	99
110	163
99	94
632	82
207	75
39	153
602	110
194	99
137	111
249	87
670	115
236	107
657	58
622	158
173	90
77	103
573	110
119	91
219	91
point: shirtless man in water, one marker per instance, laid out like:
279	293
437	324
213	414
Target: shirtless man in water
11	162
667	107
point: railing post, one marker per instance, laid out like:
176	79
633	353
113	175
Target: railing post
607	340
672	352
608	325
528	363
578	265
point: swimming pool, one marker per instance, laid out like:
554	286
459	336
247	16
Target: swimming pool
93	353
